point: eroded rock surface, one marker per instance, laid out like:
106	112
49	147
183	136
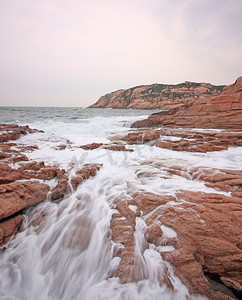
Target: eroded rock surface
157	96
84	173
184	139
201	235
16	193
223	110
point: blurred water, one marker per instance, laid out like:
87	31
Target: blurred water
69	255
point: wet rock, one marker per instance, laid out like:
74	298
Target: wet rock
13	132
84	173
117	147
208	228
16	196
122	228
184	139
4	155
61	189
219	179
79	235
7	174
153	234
9	227
91	146
147	202
138	137
61	147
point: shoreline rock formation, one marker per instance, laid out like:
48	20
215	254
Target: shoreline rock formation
19	179
157	96
198	233
222	110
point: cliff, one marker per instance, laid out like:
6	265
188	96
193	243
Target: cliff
222	110
157	96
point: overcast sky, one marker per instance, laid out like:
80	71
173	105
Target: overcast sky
71	52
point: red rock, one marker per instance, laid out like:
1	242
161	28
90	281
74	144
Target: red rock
8	228
75	181
4	155
91	146
153	234
16	196
117	147
157	96
148	201
14	131
84	173
7	174
210	231
216	111
60	189
138	137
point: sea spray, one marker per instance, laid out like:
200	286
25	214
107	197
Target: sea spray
64	250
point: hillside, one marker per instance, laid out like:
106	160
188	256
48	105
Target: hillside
157	96
223	110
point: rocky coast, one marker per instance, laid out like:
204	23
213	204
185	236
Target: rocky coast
195	228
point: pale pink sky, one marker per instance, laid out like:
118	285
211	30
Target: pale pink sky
71	52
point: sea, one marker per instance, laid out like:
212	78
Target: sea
38	263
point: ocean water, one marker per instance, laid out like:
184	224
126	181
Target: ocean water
47	262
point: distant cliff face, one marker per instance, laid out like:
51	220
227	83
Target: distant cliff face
223	110
157	96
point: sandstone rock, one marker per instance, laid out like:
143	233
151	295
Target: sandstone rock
157	96
14	131
222	110
211	233
153	234
138	137
60	189
16	196
183	139
84	173
117	147
91	146
208	227
7	174
8	228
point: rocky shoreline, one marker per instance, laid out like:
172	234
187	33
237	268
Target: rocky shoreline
222	110
207	250
24	183
200	233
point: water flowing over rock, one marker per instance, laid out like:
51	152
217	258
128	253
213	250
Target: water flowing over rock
16	193
147	213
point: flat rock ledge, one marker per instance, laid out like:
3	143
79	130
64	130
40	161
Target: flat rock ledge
199	233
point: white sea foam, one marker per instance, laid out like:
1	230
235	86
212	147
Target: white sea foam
69	255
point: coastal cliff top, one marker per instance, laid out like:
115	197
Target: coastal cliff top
157	96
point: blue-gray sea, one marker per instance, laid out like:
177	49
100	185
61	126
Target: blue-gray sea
64	114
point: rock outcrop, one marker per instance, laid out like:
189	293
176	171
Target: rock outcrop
200	234
183	139
223	110
157	96
19	185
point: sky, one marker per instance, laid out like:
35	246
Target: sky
71	52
